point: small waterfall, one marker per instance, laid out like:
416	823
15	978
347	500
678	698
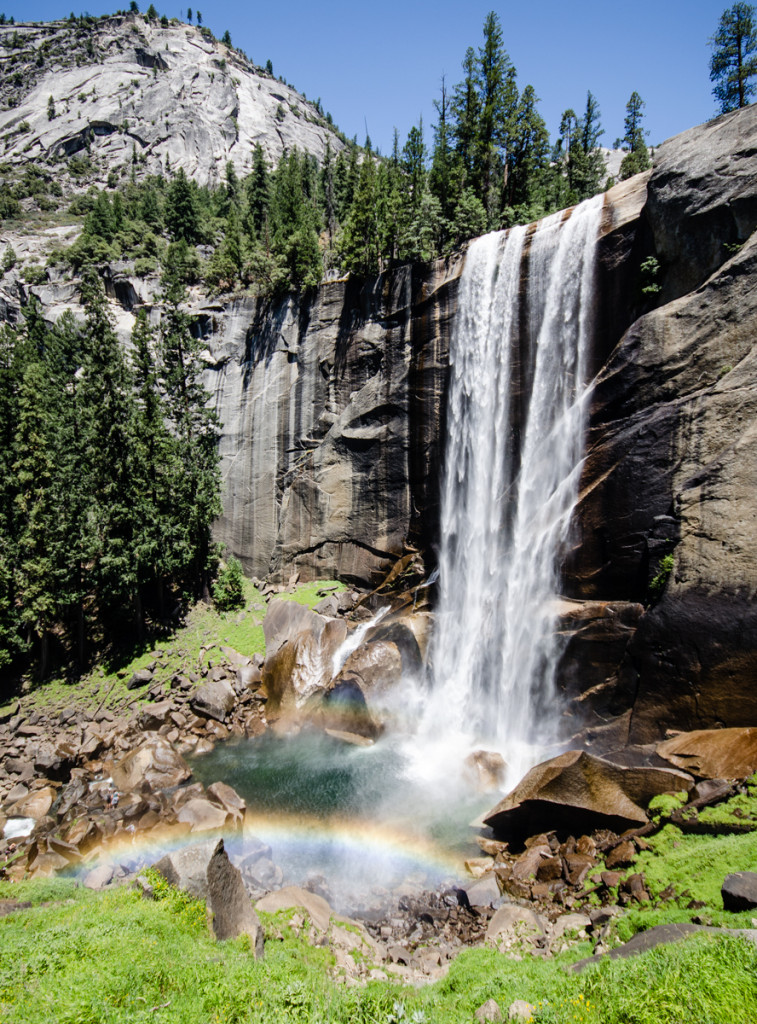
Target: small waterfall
353	641
516	421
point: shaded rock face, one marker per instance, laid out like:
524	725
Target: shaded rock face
578	792
170	96
672	447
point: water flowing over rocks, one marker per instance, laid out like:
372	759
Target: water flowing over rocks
345	488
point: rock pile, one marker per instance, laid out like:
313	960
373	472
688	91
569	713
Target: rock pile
74	782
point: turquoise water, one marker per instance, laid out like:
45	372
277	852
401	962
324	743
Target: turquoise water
350	814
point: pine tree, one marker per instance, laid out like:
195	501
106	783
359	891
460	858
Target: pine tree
157	534
181	210
11	372
38	539
465	108
498	102
528	158
106	450
360	241
414	165
326	191
587	166
638	158
258	196
444	176
734	59
196	485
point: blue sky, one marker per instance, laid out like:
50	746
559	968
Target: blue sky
381	64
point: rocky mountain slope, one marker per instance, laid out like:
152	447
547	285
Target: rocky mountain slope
128	91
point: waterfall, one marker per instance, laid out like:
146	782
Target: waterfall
516	422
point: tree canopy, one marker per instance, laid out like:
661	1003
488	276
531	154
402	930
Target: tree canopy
733	63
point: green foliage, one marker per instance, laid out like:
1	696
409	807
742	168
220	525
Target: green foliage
650	271
665	803
228	589
733	63
155	963
659	581
9	258
637	159
110	479
189	911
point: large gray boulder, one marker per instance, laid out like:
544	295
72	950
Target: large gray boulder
153	761
214	699
233	914
739	891
187	868
713	753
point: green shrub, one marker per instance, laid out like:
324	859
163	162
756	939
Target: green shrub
228	590
9	259
34	274
650	269
659	582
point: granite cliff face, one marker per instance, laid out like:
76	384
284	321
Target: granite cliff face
131	91
334	413
332	408
671	464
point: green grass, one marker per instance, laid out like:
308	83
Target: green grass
106	685
307	593
79	957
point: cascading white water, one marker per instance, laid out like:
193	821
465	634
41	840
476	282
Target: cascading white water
516	422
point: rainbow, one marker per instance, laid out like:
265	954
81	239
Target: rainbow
349	853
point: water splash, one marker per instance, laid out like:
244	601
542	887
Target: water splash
516	422
354	640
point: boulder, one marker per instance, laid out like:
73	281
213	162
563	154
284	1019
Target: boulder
521	1010
739	891
227	798
713	753
485	770
514	921
36	805
328	607
202	816
291	896
285	620
296	675
153	761
154	716
99	877
187	868
214	699
234	658
343	710
576	792
141	677
53	765
488	1011
662	934
377	664
233	914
